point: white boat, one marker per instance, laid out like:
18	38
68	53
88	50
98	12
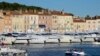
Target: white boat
22	40
6	51
65	38
6	40
74	53
98	43
69	38
87	39
44	38
37	39
51	39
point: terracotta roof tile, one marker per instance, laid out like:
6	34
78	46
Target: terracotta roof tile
78	20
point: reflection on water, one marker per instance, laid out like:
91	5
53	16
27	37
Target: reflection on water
58	49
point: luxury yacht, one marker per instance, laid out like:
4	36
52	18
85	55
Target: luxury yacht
52	39
22	40
69	38
36	38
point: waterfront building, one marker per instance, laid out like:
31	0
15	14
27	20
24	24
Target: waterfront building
97	22
24	22
45	22
91	24
1	22
31	22
18	23
1	25
62	22
79	25
6	24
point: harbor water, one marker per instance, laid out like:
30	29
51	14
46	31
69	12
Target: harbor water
58	49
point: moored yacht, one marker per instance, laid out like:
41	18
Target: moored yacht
68	38
22	40
52	39
36	39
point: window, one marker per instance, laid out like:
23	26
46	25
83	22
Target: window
34	17
98	21
54	17
25	17
93	22
31	18
71	23
43	17
55	21
79	26
67	21
88	22
89	26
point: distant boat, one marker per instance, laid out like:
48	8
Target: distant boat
75	53
6	51
96	42
6	40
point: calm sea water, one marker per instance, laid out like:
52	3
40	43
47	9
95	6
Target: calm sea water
58	49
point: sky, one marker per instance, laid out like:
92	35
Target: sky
77	7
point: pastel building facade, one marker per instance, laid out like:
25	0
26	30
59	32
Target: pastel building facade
6	24
31	22
45	22
24	23
91	24
18	23
98	24
79	25
62	23
1	22
54	23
